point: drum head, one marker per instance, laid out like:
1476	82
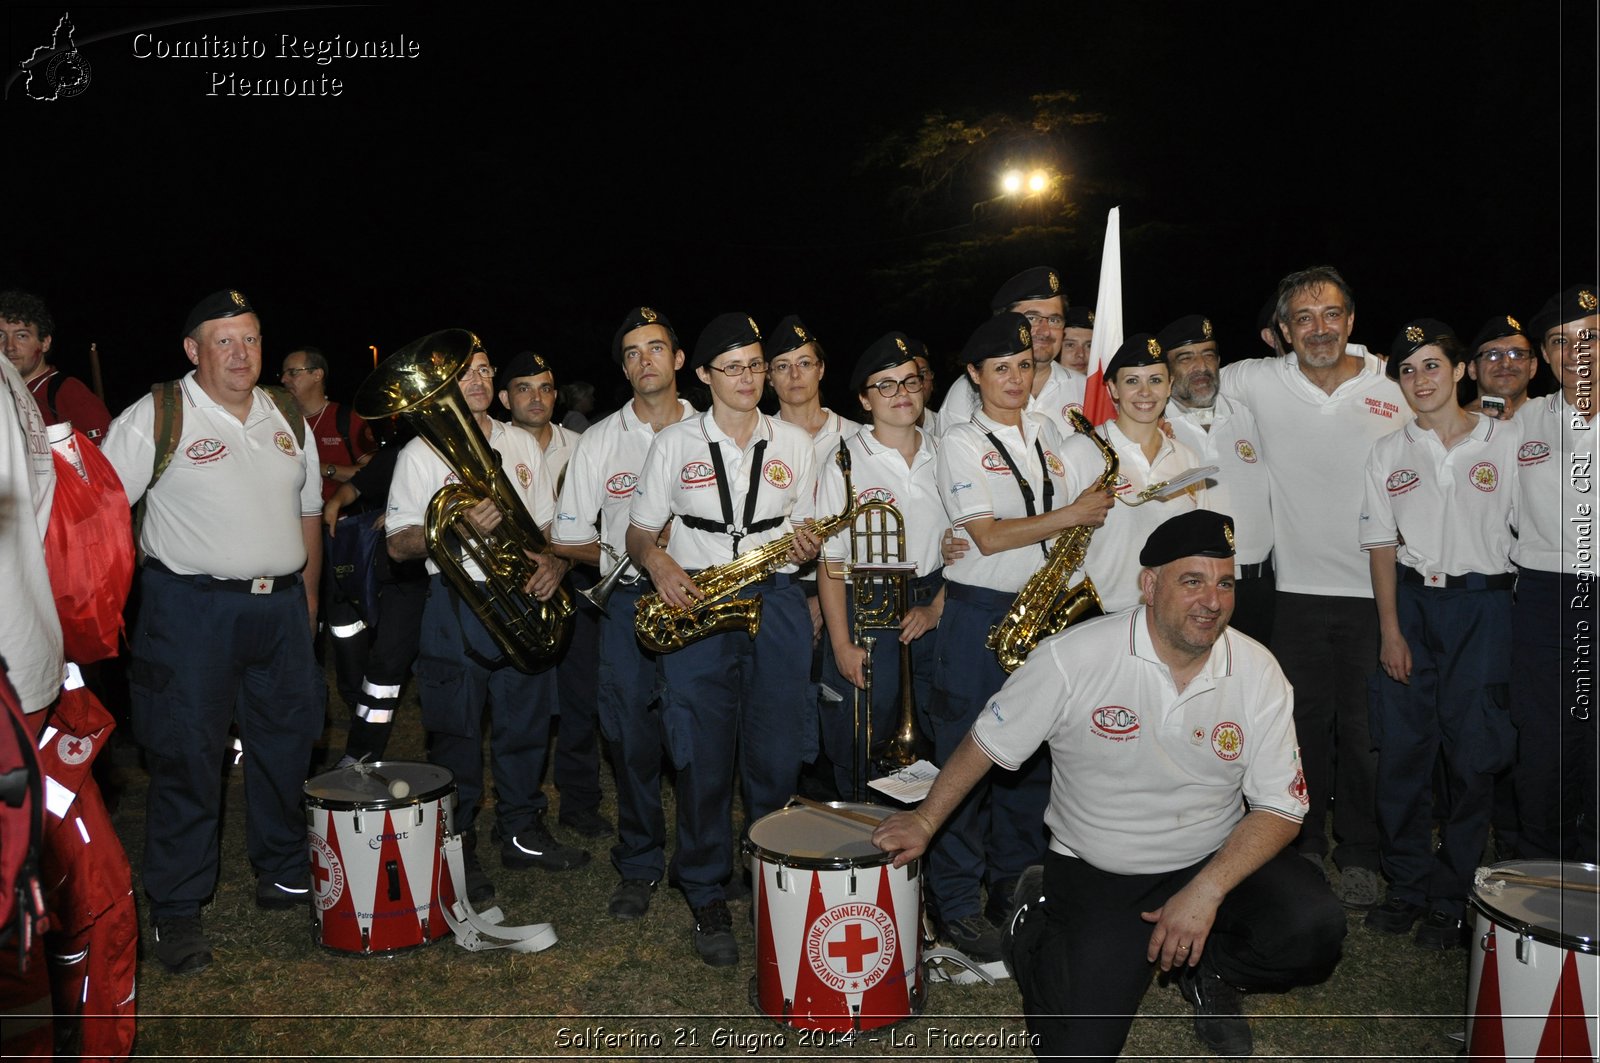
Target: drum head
374	784
811	838
1569	918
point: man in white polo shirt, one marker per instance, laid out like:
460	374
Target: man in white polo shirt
1222	432
232	536
1319	410
1161	725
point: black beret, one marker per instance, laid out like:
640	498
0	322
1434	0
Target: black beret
1186	330
791	334
523	363
887	351
1268	315
1197	533
1412	337
1001	336
230	302
918	349
1040	282
1078	317
639	317
1576	302
1137	350
1496	328
727	332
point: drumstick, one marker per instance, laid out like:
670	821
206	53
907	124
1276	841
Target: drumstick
1537	880
843	813
397	788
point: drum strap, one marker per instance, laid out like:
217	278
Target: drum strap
480	931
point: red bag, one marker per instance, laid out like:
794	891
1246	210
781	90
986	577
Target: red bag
88	549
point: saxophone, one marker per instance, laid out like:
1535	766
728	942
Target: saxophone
664	628
1046	604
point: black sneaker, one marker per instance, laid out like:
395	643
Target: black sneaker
713	935
1394	916
975	936
1442	931
1219	1019
631	898
1000	905
534	847
181	944
276	896
587	822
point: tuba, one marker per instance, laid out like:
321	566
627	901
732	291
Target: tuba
1046	604
418	382
663	628
880	584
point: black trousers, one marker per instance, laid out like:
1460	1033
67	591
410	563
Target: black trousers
1082	968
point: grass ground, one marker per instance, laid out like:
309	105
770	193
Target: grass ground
636	990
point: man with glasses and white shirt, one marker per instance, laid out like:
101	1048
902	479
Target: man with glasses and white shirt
732	480
1502	365
1035	294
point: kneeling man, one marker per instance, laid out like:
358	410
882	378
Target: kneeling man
1176	787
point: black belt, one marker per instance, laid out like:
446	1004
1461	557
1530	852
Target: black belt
1257	570
983	597
258	585
1469	581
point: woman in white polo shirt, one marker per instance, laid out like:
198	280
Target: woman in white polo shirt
1012	485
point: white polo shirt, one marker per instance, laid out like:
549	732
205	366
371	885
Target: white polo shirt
30	631
601	476
1319	445
1453	508
1241	486
1063	391
419	473
558	451
1113	557
1148	779
230	501
976	482
879	474
1556	477
678	477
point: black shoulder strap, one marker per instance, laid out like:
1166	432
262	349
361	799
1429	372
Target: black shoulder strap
52	388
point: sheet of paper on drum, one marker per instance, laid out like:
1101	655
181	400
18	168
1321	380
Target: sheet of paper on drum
908	785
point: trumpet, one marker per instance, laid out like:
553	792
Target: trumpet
600	593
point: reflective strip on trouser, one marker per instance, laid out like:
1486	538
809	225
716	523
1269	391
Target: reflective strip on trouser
378	701
346	631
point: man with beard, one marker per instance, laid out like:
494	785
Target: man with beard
1035	294
1502	364
1319	409
1222	432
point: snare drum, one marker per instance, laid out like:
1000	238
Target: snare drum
1536	966
838	931
377	870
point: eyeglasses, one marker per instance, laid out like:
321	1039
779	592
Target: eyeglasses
485	372
911	385
1035	318
799	365
738	369
1510	354
292	372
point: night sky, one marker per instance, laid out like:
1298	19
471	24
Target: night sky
531	176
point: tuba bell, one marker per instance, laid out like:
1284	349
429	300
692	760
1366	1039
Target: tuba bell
418	382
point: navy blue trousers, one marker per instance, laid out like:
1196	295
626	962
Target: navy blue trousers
577	756
203	658
1460	642
729	693
998	830
630	719
455	691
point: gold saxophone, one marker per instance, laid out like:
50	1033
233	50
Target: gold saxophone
418	382
1046	604
666	628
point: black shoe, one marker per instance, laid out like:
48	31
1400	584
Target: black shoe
975	936
713	935
534	847
1394	916
631	898
1442	931
587	822
1000	905
277	896
1219	1019
181	944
